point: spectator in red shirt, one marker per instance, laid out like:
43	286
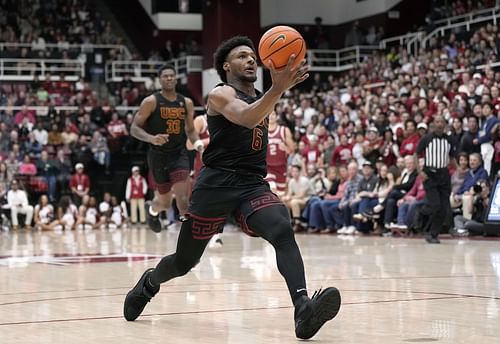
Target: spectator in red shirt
342	153
409	144
116	127
80	184
311	152
24	113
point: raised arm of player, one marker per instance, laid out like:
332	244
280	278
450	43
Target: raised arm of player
290	144
223	99
191	132
137	129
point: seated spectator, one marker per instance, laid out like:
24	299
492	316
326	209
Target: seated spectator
458	177
69	137
342	153
117	131
409	144
398	191
118	213
4	176
54	136
469	143
105	207
463	195
135	193
408	205
63	166
389	150
100	149
299	191
12	165
82	151
357	149
488	127
365	198
80	184
67	214
311	152
474	225
371	147
47	168
343	212
32	147
321	213
44	214
17	201
496	159
27	167
41	135
92	219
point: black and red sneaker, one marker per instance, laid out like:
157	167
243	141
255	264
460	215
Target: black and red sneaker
138	297
315	312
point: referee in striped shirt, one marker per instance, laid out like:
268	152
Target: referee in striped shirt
436	148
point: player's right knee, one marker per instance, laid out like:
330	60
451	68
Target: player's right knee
282	231
184	265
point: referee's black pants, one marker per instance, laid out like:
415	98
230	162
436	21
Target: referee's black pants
437	198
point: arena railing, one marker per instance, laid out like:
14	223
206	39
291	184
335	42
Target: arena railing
140	71
25	69
467	16
491	17
83	48
322	60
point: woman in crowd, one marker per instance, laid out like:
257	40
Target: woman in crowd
44	214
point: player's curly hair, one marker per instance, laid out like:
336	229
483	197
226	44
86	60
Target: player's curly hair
223	50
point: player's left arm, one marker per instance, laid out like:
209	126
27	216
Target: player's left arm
290	144
191	132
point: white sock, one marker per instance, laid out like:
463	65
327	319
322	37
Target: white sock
152	212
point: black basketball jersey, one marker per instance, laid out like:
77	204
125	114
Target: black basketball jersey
168	118
236	148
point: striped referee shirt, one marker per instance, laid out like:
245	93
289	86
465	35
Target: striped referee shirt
437	150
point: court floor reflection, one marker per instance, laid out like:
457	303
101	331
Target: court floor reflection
69	287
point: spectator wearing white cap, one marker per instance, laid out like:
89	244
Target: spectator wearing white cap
80	184
135	194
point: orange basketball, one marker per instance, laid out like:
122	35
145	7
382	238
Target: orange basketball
278	43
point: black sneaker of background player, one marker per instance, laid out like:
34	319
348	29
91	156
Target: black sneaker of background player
138	297
153	221
315	312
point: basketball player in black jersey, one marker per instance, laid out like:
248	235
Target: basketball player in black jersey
232	182
165	121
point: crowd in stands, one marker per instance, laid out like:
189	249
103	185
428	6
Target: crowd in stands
355	169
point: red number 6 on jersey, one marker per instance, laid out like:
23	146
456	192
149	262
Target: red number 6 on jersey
257	139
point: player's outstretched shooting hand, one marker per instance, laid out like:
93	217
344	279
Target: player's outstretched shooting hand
287	77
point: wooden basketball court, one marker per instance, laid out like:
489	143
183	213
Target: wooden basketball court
69	288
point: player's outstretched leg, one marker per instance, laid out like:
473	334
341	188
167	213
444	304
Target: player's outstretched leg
190	247
273	224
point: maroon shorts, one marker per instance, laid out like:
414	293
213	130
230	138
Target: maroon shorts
168	169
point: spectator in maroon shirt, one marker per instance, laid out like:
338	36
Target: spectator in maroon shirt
342	153
80	184
409	144
24	113
311	152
